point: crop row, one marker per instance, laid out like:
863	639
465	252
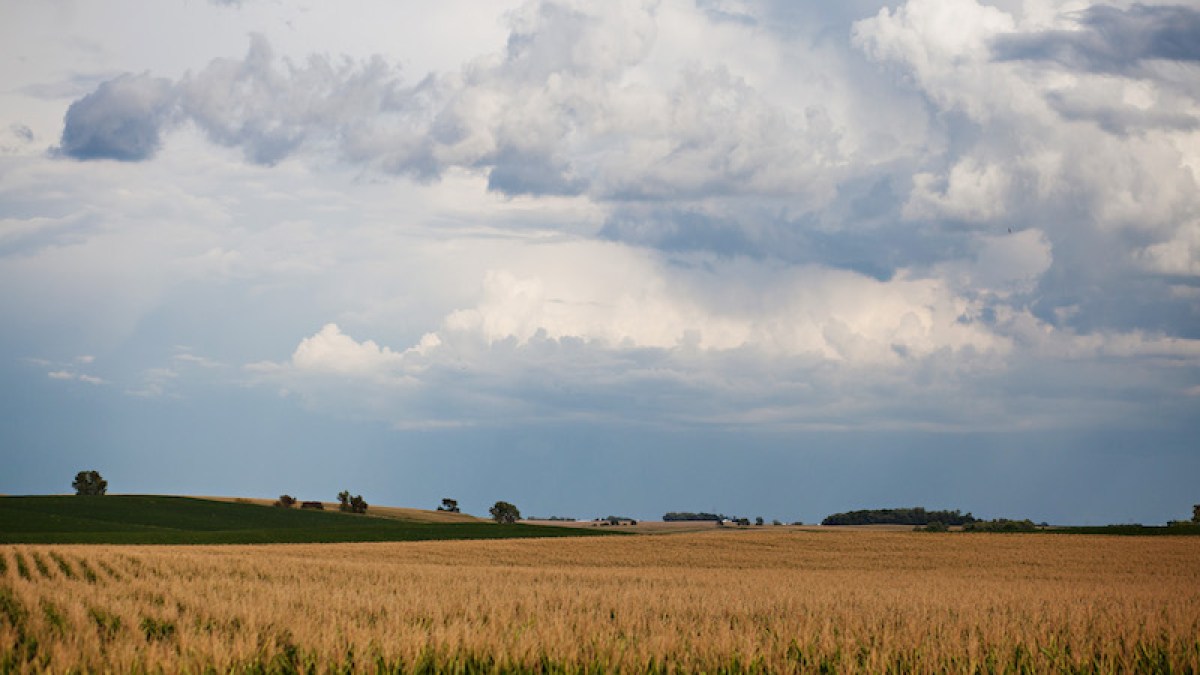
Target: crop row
764	601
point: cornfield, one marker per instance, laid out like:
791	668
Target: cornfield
771	600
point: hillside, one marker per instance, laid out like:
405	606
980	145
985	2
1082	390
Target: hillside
396	512
152	519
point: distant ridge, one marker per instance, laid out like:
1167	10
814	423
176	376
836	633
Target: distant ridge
163	519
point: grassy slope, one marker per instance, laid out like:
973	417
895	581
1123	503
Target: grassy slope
146	519
397	512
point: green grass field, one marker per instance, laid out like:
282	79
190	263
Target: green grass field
146	519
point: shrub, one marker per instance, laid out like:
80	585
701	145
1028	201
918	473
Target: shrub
285	501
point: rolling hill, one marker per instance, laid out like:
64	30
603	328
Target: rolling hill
155	519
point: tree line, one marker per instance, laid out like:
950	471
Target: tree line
905	516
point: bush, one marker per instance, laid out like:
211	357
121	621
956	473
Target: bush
285	501
935	526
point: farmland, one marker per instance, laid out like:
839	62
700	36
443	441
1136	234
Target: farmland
149	519
776	599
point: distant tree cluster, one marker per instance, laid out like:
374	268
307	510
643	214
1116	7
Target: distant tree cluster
449	505
89	483
1001	525
613	521
355	504
674	516
909	516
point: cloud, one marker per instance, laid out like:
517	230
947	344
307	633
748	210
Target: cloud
557	336
578	103
1178	256
22	132
331	351
713	214
192	359
813	312
121	120
155	383
71	375
1098	158
1111	39
465	379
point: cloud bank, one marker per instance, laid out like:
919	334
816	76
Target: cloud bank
881	220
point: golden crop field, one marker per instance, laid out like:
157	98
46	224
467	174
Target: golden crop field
768	599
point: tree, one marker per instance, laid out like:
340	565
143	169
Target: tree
1196	513
285	501
89	483
450	505
355	504
758	521
504	513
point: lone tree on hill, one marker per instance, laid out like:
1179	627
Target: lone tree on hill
355	504
504	513
450	505
285	501
89	483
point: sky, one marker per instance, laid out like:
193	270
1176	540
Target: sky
757	257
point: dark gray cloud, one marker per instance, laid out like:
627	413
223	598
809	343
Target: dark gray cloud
122	119
1120	119
518	173
1112	40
